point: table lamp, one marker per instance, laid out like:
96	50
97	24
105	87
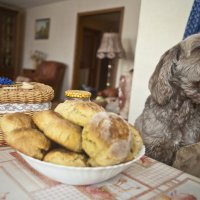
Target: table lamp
111	48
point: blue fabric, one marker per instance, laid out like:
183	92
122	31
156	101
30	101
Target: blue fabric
193	24
5	81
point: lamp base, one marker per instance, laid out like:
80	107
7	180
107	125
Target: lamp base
108	81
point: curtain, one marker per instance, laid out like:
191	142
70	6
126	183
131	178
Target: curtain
193	24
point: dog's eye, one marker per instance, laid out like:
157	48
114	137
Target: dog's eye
173	68
174	65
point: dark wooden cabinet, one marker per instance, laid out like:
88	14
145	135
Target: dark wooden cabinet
10	42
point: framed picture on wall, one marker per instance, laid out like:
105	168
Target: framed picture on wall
42	28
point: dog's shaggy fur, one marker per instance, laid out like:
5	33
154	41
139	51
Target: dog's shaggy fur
171	117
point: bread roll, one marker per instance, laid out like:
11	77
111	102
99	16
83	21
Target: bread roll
28	141
59	130
107	139
43	118
12	121
67	158
78	112
137	143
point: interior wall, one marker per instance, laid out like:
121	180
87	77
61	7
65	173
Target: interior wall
161	26
61	43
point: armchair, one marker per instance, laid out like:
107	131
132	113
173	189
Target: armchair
50	73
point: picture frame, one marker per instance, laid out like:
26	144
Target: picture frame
42	27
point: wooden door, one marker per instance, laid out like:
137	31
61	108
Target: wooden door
89	63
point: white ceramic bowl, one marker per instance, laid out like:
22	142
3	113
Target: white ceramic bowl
79	175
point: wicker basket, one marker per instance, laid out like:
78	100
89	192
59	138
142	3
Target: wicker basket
28	101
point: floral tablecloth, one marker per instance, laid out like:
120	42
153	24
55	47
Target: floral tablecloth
145	179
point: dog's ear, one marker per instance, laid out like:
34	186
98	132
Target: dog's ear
190	44
159	84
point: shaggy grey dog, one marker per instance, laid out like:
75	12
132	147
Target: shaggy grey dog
171	117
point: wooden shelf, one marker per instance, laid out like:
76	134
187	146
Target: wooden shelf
10	42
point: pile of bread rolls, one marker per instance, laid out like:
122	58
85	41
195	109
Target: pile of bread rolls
76	133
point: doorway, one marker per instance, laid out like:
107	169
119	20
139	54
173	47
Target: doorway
88	69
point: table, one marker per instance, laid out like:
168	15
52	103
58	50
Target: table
145	179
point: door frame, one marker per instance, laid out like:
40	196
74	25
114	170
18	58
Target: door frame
78	42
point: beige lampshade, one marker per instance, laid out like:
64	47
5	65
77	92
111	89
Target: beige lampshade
110	46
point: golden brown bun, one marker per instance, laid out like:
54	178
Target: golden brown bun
28	141
107	139
10	122
59	130
43	118
137	143
67	158
78	112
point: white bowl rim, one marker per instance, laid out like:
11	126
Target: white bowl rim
138	156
